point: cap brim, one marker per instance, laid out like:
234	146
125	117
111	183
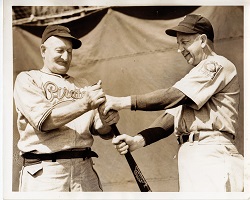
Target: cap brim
76	43
182	29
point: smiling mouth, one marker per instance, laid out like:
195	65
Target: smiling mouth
62	63
185	56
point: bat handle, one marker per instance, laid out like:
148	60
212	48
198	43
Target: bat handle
115	130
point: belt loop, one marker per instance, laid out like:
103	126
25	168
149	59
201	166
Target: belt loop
196	136
191	138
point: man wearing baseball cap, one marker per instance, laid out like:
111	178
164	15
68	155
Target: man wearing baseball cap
57	118
201	110
60	31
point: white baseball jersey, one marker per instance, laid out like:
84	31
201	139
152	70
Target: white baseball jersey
213	86
35	94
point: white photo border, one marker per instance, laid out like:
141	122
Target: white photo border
7	101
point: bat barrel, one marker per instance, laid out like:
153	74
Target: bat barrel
141	181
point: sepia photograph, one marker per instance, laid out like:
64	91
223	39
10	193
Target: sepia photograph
113	101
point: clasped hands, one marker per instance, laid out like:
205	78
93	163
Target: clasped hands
97	99
108	107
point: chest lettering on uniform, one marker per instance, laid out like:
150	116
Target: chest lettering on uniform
55	92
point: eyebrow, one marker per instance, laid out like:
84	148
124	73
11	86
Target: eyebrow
63	47
183	39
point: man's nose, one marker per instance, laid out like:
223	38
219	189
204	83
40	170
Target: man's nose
65	55
180	49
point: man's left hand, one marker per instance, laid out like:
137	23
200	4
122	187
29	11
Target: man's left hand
112	117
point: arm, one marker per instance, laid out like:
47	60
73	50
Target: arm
102	124
42	114
159	100
153	101
161	128
66	112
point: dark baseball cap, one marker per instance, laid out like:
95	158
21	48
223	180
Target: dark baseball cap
61	31
193	24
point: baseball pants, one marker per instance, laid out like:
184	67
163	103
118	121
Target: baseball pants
64	175
210	164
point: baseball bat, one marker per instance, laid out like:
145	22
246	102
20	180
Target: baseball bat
141	181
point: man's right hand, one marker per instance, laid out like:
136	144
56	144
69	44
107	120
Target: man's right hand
63	113
124	143
116	103
93	96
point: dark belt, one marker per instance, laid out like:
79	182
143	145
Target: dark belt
184	138
67	154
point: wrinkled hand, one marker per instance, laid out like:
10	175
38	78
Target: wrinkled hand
112	103
124	143
112	117
94	95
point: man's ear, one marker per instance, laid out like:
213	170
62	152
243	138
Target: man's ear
203	40
42	50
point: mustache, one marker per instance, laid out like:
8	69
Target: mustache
62	61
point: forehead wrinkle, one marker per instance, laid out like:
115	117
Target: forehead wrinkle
186	37
58	42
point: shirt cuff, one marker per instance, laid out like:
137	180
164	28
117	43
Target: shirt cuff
133	102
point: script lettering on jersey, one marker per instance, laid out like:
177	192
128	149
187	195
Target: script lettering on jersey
55	92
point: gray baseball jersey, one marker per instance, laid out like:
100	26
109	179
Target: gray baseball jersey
36	93
213	86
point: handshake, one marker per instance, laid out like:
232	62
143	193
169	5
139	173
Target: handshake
108	106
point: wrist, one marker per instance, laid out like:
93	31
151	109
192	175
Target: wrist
139	140
126	102
83	104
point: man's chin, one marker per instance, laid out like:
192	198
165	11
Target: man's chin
190	61
62	70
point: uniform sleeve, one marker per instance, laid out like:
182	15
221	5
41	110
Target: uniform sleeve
202	82
97	124
161	128
159	100
30	100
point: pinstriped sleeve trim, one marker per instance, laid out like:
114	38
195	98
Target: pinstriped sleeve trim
43	118
46	114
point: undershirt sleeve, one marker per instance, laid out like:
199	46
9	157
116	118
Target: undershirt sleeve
161	128
159	100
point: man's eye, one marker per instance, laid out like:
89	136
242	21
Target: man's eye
63	50
59	50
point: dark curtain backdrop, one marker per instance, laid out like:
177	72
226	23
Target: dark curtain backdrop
127	48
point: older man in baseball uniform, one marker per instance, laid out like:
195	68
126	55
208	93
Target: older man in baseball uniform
201	109
57	116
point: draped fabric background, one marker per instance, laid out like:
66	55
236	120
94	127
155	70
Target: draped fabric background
127	48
